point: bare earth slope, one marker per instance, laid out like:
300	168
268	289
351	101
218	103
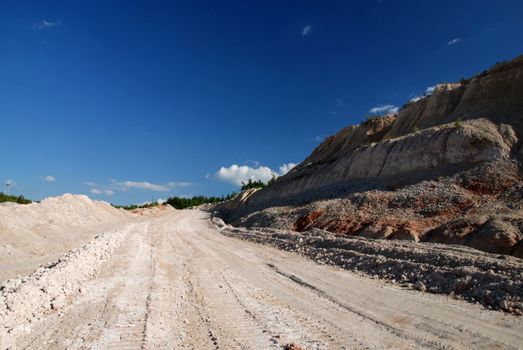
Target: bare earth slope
446	168
173	281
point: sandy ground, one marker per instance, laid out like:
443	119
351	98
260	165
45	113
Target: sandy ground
34	234
173	281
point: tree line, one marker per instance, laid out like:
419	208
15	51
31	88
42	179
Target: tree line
16	199
183	202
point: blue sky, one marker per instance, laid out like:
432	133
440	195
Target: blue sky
128	101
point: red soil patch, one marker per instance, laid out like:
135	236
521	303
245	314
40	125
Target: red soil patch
306	222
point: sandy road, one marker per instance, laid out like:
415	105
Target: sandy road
177	282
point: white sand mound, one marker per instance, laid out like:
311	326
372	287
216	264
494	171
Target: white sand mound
24	300
68	209
38	232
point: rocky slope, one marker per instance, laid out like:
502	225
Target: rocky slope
444	169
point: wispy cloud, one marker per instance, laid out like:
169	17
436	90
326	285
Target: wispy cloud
429	90
49	178
107	192
384	109
44	24
416	98
236	174
254	163
285	168
145	185
306	30
453	41
124	186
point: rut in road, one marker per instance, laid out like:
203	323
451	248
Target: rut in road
176	282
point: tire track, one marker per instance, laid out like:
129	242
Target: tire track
177	283
421	341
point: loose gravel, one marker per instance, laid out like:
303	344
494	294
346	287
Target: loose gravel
495	281
26	300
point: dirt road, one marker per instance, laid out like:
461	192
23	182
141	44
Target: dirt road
176	282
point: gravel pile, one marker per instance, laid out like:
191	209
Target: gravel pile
25	300
495	281
466	202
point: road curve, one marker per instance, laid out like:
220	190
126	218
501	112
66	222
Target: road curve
177	282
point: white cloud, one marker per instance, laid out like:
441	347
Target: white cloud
285	168
145	185
49	178
384	109
124	186
43	24
107	192
235	174
430	90
306	30
453	41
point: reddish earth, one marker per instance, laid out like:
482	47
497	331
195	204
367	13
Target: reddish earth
481	208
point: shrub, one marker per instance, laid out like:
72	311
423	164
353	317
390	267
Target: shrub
252	184
16	199
271	181
21	200
458	123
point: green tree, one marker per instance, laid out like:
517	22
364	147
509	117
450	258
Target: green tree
252	184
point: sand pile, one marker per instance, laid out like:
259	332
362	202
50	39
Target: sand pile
36	233
65	210
22	301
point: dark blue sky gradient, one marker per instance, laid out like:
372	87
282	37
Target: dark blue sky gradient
163	91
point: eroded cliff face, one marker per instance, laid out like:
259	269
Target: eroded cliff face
496	94
455	128
437	151
445	169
